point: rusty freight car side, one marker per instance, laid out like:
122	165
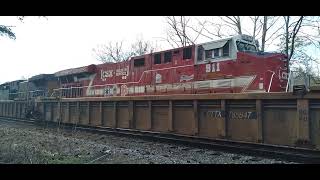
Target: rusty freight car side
269	118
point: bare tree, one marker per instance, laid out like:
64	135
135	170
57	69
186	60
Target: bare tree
293	35
256	27
6	30
183	31
114	51
264	32
177	34
266	29
234	22
289	37
219	27
268	32
141	47
261	26
300	35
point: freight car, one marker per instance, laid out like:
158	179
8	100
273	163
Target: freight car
9	90
232	65
41	85
4	91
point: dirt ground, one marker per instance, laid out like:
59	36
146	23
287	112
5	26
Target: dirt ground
27	144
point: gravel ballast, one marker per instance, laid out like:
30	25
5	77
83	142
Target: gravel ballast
27	144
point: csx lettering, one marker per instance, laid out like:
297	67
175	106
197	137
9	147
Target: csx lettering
106	74
119	72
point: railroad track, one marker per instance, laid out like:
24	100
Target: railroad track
296	154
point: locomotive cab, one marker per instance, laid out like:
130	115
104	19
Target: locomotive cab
246	43
239	66
215	51
225	49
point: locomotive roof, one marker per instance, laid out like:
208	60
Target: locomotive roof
41	77
208	45
6	83
242	37
72	71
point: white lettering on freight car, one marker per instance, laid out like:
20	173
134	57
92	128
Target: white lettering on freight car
241	115
214	114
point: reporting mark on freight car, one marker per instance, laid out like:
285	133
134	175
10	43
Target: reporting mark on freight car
242	115
232	114
303	115
214	114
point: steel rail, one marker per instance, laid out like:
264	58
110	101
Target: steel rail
295	154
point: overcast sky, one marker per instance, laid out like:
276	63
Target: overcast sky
56	43
49	45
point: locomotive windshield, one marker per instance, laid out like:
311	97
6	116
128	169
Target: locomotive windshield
244	47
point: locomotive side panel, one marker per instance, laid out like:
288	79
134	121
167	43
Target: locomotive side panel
139	75
269	71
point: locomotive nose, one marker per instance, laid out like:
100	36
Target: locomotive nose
284	57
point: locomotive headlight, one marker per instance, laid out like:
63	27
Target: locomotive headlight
261	83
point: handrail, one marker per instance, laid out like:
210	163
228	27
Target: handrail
27	92
273	73
288	81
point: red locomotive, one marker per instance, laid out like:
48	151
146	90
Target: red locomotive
231	65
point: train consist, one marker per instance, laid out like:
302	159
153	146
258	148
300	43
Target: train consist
210	72
42	85
232	65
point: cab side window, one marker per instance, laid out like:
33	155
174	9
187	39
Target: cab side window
157	58
200	53
212	53
225	49
167	57
187	53
139	62
220	52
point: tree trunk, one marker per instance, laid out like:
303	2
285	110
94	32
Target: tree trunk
287	36
287	42
239	25
264	32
